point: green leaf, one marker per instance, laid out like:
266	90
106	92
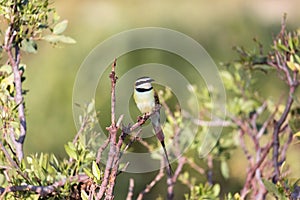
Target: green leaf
6	68
34	196
71	151
96	171
216	190
84	195
29	46
297	58
291	45
282	47
224	169
60	27
271	187
247	106
297	134
59	38
29	160
14	124
88	173
67	40
9	81
293	66
90	107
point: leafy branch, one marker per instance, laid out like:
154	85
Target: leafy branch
26	23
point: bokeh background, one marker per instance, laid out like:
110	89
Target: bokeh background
217	25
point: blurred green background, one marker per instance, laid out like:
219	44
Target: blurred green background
217	25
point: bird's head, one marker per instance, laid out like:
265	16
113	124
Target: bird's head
143	83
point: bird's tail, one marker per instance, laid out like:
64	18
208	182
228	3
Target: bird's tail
160	136
169	168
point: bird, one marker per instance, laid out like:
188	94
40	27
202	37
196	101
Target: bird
147	100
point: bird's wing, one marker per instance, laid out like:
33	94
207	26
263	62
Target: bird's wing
156	98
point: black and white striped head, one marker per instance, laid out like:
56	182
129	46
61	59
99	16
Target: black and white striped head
143	84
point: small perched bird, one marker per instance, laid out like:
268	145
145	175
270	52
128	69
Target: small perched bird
146	100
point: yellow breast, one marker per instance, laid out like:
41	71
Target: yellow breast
144	101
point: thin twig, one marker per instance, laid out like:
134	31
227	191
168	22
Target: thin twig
82	127
172	180
113	175
252	171
215	123
277	127
144	143
157	178
130	189
9	159
210	169
196	167
12	162
269	120
113	79
285	146
244	148
132	140
101	149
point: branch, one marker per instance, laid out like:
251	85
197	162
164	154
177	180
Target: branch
117	156
285	146
82	127
252	171
101	149
112	164
130	189
15	61
12	162
196	167
210	169
113	174
133	140
244	147
45	190
9	159
199	122
172	180
157	178
112	134
113	79
277	128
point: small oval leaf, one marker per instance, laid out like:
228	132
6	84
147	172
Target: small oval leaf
60	27
71	152
224	169
96	171
59	38
84	195
271	187
29	46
